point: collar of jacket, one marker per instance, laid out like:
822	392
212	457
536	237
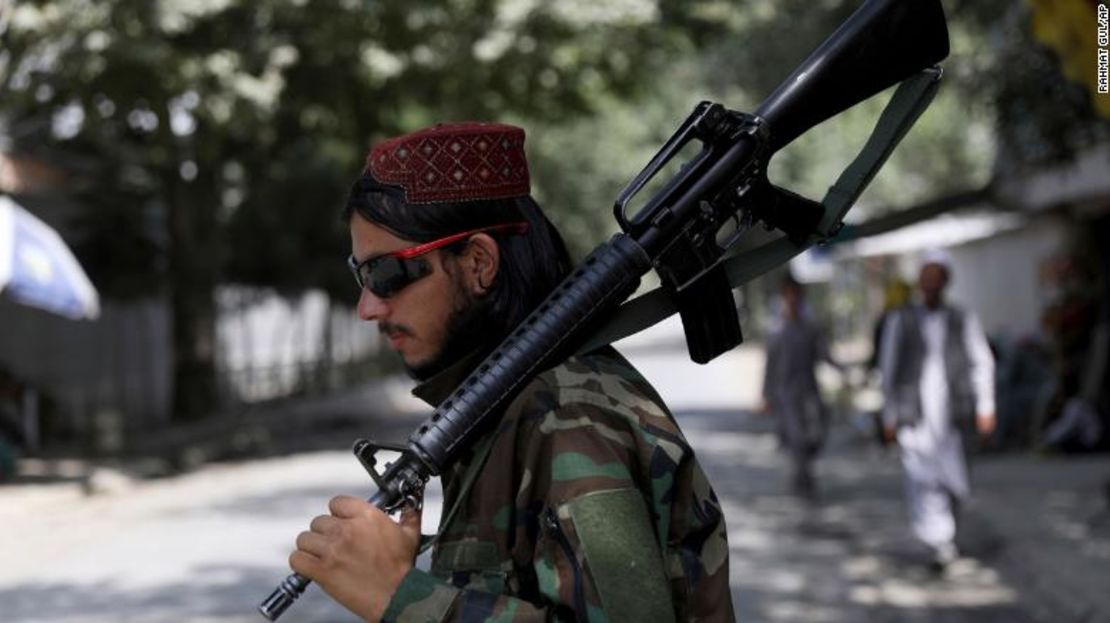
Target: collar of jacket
436	389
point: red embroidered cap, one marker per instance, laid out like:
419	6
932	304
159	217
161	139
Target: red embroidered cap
453	162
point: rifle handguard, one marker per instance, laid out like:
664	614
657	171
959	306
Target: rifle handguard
606	278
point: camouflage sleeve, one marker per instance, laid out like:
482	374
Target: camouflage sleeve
627	521
592	546
613	518
423	598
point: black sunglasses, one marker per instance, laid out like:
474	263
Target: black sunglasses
387	274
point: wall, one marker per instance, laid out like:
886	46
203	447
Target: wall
999	277
120	361
269	347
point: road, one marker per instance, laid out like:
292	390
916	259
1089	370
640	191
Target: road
209	545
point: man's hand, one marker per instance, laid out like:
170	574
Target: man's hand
985	423
358	554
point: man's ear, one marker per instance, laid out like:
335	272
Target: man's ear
480	263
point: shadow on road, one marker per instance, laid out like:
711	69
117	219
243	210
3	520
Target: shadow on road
846	554
227	594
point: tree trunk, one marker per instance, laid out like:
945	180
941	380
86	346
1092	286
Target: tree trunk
193	257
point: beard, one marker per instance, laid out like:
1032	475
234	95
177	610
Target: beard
468	329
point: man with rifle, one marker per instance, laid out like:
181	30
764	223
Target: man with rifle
582	500
570	492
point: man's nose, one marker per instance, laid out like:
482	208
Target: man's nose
371	306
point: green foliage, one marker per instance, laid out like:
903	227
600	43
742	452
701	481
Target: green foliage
581	166
213	141
1040	116
254	116
578	168
949	149
1003	105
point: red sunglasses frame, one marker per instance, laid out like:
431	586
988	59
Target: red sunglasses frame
518	227
412	253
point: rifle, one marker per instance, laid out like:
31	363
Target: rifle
684	231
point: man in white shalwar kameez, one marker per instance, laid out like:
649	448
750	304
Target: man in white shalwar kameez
938	373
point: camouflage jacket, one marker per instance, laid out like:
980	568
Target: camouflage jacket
589	506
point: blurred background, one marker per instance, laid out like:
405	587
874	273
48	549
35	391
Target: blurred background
193	155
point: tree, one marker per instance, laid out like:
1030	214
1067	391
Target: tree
1004	105
208	136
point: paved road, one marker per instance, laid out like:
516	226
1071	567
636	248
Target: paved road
209	545
846	556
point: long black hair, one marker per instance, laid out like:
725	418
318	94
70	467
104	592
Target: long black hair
532	264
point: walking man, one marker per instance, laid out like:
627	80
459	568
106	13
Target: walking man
938	376
790	390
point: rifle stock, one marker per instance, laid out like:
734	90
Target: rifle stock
881	44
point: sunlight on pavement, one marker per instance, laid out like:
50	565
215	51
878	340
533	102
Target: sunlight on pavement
206	546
